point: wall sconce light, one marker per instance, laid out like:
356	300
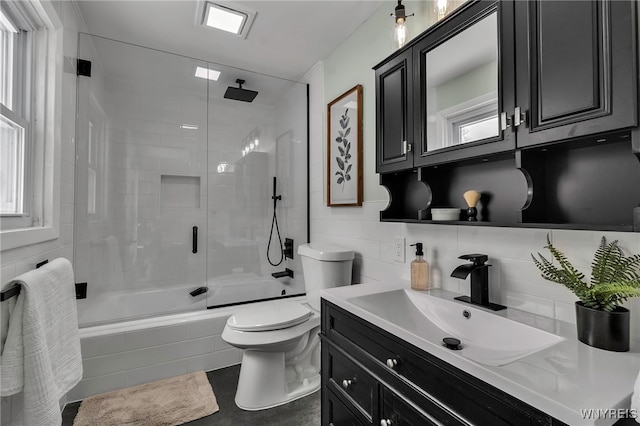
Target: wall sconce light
400	32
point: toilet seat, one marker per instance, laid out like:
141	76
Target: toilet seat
274	315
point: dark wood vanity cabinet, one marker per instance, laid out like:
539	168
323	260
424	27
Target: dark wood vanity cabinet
560	102
370	377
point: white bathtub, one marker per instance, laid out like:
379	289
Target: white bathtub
231	289
131	352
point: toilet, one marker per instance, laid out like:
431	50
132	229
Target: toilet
279	338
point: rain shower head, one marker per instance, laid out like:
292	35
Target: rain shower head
240	94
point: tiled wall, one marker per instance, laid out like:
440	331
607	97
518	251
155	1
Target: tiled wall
127	358
515	280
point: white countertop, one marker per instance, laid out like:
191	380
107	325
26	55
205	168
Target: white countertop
560	381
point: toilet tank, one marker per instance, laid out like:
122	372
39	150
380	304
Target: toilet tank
324	266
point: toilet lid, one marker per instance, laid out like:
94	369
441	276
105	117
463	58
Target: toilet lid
273	315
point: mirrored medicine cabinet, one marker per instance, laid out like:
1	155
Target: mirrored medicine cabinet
461	87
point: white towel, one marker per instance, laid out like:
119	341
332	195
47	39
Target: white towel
41	355
635	399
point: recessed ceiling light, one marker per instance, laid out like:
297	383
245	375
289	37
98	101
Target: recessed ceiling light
224	18
207	73
189	126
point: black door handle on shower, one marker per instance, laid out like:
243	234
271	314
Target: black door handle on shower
194	240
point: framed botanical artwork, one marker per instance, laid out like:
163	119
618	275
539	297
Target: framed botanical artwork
344	149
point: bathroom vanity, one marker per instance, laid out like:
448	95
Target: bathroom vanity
382	366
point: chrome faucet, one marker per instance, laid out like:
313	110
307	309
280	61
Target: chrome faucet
479	271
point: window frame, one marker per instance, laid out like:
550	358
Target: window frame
42	99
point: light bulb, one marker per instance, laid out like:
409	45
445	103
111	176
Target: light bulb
251	146
400	35
256	142
441	8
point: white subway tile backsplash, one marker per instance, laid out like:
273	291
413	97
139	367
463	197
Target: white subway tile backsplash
565	311
580	246
524	277
93	386
528	303
508	243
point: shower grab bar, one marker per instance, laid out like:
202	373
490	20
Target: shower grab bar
194	240
15	289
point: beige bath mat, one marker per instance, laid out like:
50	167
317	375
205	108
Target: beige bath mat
167	402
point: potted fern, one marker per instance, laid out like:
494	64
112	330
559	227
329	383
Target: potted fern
600	319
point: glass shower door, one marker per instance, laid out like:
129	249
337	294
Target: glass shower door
141	182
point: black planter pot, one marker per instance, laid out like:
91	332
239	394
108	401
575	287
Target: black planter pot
604	330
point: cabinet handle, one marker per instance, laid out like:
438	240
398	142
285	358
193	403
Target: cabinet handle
385	422
519	117
406	147
505	122
346	383
392	362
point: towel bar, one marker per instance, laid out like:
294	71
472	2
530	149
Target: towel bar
15	289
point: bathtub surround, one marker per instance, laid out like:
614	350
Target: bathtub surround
159	156
125	354
174	401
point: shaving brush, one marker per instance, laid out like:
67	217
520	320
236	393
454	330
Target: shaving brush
472	198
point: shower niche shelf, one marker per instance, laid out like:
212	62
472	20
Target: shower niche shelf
179	191
582	184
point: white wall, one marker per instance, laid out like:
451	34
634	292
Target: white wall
19	260
514	279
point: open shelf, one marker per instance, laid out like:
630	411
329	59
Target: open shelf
591	184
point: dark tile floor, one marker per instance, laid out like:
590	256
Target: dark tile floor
302	412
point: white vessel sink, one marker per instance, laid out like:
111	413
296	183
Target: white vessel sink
485	337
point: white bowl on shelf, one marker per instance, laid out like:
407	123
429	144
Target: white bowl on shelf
445	214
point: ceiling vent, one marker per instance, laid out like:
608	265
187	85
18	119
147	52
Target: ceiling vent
228	17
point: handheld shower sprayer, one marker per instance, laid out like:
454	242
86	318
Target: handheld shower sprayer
275	197
274	222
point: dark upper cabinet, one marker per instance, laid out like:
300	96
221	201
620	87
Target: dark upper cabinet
496	76
575	69
450	95
464	91
394	112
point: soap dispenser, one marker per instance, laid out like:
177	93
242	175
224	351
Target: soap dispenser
419	270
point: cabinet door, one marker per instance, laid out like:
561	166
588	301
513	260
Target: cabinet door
398	412
394	114
465	86
575	62
338	414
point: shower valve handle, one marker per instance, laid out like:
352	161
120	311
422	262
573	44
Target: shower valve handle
194	240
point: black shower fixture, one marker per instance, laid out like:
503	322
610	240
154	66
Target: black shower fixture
240	94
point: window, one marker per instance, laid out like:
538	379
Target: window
30	121
472	120
15	49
